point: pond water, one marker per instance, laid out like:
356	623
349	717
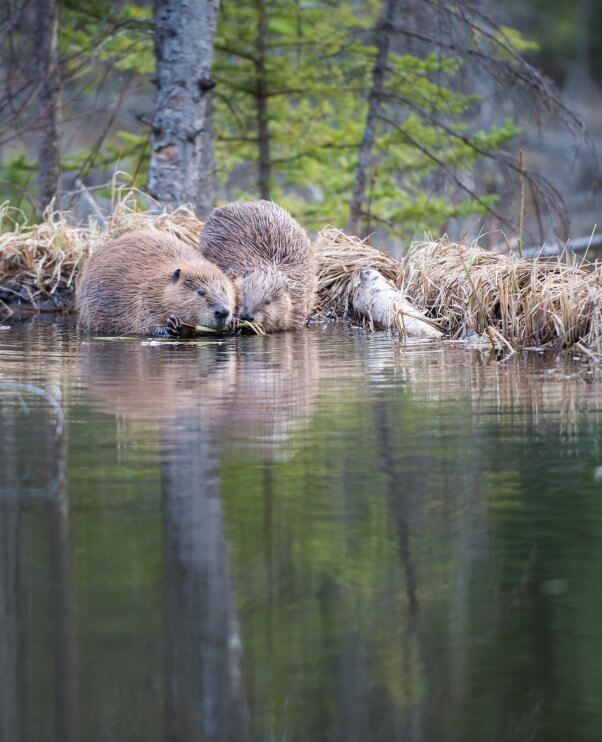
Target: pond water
314	536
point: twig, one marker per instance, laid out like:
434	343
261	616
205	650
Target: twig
597	357
87	197
521	216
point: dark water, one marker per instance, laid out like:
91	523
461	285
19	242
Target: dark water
316	536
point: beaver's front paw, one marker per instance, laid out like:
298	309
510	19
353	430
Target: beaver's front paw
174	326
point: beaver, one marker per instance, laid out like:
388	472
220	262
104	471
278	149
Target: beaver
269	256
151	283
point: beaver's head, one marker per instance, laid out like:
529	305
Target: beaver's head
265	298
200	295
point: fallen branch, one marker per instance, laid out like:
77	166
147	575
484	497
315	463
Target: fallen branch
581	244
383	305
94	207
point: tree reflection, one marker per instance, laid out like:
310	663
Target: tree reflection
9	554
62	589
401	540
204	695
35	477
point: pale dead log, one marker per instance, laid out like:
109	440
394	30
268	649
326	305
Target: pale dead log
378	301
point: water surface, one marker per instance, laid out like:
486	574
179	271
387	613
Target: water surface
315	536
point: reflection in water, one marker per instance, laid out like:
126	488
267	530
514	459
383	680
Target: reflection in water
9	553
62	589
397	488
259	394
203	677
318	536
34	475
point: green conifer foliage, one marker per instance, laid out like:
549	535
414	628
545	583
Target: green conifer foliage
318	62
293	83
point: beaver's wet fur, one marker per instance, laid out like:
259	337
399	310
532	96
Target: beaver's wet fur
269	256
151	283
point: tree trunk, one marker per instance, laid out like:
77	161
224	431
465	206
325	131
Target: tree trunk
383	38
263	126
579	79
46	31
184	33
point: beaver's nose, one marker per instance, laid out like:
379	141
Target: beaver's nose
247	316
221	313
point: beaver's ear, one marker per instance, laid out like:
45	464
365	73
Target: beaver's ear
176	275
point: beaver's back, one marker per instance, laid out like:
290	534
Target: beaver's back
244	235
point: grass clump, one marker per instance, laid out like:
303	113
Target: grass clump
464	288
528	302
128	215
469	290
39	262
340	259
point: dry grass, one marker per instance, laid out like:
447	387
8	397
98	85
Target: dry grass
39	261
463	287
528	302
128	215
467	289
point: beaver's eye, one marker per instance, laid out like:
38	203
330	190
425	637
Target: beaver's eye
201	293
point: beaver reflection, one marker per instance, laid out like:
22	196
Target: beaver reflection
259	390
204	398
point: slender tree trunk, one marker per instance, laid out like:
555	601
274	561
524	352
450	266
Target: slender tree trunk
579	78
46	32
383	39
263	127
184	33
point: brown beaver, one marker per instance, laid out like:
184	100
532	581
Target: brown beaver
151	283
269	255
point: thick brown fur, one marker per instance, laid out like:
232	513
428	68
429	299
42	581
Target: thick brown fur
269	256
137	282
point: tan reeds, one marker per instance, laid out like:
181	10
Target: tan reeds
529	302
467	289
127	215
38	261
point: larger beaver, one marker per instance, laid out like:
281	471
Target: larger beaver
269	255
151	283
